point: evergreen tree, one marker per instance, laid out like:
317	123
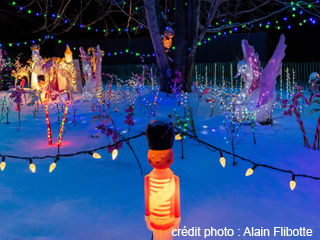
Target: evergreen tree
6	80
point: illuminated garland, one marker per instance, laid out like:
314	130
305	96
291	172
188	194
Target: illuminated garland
11	44
207	145
54	97
255	165
233	29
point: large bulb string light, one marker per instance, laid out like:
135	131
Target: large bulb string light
250	171
93	153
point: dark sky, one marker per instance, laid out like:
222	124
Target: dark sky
302	41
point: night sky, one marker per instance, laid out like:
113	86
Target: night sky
302	41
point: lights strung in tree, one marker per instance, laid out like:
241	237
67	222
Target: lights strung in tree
26	42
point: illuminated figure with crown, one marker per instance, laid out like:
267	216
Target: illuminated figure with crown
162	191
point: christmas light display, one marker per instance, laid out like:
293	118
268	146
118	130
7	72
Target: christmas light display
92	70
314	81
260	85
294	101
54	97
162	191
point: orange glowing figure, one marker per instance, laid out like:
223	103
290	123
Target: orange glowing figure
167	38
162	191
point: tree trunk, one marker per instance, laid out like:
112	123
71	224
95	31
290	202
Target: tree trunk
155	33
186	39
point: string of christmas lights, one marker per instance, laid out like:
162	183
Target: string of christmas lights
296	8
180	134
58	156
255	165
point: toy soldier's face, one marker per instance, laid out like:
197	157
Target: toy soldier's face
161	159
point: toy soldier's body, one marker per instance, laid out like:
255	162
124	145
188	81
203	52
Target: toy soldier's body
162	192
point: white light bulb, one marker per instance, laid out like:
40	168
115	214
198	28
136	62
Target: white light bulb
178	137
96	155
52	166
2	165
32	167
249	172
223	161
114	154
292	184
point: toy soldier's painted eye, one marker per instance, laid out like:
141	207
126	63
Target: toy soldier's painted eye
162	157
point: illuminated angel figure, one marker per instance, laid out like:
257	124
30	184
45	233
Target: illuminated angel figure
162	191
260	85
92	77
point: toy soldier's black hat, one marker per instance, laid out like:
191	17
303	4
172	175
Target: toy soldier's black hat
160	134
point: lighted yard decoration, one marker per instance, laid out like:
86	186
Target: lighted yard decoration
92	72
37	62
53	97
294	106
167	38
162	191
260	84
314	81
67	73
20	71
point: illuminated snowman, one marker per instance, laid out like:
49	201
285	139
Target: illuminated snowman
162	191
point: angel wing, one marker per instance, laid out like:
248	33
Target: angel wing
269	75
98	68
252	59
84	56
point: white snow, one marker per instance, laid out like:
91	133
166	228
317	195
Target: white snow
96	199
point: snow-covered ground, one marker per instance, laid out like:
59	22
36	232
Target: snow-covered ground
97	199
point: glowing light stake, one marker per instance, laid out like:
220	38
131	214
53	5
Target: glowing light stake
250	170
63	119
53	165
222	160
3	164
32	166
47	117
95	155
162	191
114	154
178	137
64	116
293	182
